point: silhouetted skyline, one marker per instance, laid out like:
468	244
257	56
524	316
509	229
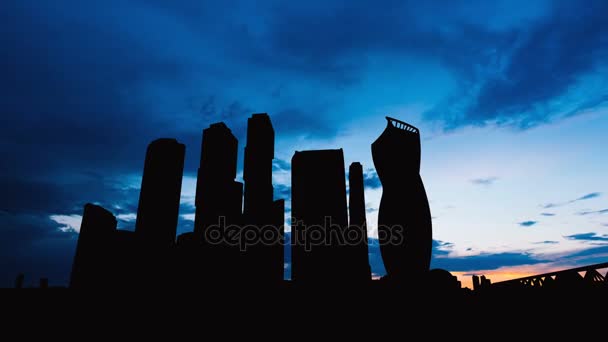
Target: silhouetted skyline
244	248
510	97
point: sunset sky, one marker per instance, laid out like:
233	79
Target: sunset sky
511	98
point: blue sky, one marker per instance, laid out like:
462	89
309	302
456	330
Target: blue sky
511	98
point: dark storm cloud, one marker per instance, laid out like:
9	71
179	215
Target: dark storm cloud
33	245
527	223
537	65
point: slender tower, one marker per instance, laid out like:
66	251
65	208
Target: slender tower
264	216
159	198
357	233
218	195
219	200
404	218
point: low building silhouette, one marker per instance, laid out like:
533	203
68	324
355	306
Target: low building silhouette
92	261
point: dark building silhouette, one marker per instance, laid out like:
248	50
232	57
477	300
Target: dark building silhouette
319	216
91	267
257	169
404	217
126	260
159	198
359	258
262	215
443	283
217	193
19	281
219	200
189	260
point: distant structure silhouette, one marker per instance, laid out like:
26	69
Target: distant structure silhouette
159	197
19	280
319	217
404	217
357	230
263	216
92	265
558	280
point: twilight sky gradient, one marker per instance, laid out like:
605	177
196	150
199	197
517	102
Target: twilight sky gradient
511	98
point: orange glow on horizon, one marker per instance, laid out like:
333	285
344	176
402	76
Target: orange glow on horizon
508	273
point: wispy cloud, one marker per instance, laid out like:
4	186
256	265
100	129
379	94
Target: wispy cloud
484	181
442	247
591	212
548	214
527	223
546	242
587	237
588	196
582	198
69	223
280	165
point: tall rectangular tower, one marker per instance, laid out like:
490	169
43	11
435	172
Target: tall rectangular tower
319	216
218	196
159	198
263	216
356	236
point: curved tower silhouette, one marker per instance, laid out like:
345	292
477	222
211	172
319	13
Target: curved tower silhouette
404	218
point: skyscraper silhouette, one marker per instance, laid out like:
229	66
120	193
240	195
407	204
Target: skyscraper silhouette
357	234
159	197
263	216
404	217
257	169
218	195
219	200
92	262
319	216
